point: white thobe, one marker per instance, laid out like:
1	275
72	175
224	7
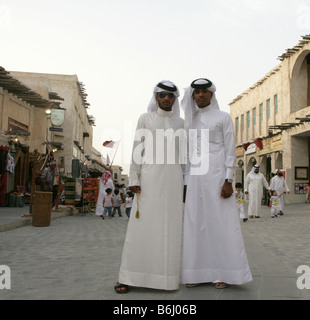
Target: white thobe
254	184
101	194
213	247
152	250
279	184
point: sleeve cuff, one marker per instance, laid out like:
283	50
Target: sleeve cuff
230	173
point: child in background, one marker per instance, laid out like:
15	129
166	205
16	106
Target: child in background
117	203
129	198
275	204
240	201
107	203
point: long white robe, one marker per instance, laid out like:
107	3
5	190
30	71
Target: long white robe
279	184
101	194
152	250
254	184
213	247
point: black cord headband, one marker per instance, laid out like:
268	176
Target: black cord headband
206	85
164	87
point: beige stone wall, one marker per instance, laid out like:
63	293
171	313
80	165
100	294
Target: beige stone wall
76	121
290	82
252	100
33	118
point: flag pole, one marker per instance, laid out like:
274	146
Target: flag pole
119	142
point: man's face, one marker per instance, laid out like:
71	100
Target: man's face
202	97
165	100
256	171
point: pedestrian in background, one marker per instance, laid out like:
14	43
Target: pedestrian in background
47	177
254	183
50	180
307	193
278	183
104	183
117	203
240	201
275	204
128	201
107	203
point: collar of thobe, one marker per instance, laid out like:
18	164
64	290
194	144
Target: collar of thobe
203	110
164	113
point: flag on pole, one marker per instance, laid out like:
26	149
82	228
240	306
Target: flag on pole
108	144
113	145
259	143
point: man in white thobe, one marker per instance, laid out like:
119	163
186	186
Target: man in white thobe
278	183
105	182
213	246
254	183
152	251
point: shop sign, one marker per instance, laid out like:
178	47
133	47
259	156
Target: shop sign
16	126
56	129
251	149
57	117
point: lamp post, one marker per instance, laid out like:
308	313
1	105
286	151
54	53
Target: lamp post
48	117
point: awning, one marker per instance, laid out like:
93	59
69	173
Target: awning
24	93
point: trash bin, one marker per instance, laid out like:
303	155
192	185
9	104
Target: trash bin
42	209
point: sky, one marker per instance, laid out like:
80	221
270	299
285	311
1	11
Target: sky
120	49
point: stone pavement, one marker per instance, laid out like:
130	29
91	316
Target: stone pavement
77	257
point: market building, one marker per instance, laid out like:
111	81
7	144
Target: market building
272	121
70	131
21	138
45	117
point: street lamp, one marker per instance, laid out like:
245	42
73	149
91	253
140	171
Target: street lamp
48	113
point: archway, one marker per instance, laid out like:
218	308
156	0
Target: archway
300	82
252	162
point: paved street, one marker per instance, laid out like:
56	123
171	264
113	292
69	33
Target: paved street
78	257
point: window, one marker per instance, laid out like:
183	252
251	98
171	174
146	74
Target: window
268	108
242	122
254	116
261	112
248	119
276	108
237	124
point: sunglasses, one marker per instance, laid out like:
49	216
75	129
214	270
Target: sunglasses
163	95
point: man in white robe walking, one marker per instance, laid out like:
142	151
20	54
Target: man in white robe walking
213	246
152	250
105	182
279	184
254	183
